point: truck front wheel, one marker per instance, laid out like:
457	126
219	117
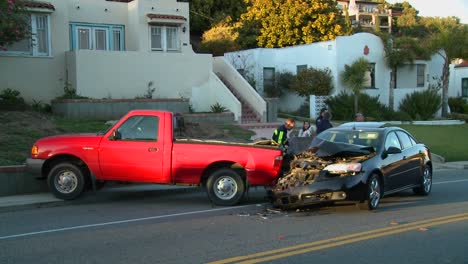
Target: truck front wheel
66	181
225	187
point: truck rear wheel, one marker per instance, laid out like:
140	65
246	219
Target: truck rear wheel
225	187
66	181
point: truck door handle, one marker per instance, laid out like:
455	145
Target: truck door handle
153	149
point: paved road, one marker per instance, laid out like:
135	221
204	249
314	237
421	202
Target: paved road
153	227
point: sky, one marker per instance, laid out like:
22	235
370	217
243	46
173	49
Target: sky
458	8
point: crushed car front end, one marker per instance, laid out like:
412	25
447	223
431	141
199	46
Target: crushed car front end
325	173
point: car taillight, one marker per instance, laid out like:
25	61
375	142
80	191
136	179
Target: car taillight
278	162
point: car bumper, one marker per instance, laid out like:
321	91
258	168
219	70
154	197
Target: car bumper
34	167
325	190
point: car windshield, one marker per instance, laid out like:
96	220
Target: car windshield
355	137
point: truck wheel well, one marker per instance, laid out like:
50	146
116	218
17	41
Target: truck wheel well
222	165
50	163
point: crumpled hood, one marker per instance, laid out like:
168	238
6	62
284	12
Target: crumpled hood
323	148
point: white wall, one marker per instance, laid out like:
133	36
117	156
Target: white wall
102	74
455	83
218	94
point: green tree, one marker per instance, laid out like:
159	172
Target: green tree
206	13
449	39
292	22
398	52
220	39
14	22
313	81
354	77
409	16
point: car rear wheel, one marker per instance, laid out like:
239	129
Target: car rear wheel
225	187
426	184
66	181
373	193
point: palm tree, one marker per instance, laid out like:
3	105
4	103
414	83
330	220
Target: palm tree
354	76
398	52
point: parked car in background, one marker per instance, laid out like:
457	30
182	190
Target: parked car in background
358	161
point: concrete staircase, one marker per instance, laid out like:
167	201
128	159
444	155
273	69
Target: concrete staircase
248	113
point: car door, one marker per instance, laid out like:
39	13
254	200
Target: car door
413	157
134	151
393	165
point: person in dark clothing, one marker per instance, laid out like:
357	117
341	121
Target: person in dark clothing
280	135
325	123
320	117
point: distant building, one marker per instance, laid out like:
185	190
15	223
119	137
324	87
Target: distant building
369	14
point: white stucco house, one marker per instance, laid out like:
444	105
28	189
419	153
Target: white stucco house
459	79
118	49
262	63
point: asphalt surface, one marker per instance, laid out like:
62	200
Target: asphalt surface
124	225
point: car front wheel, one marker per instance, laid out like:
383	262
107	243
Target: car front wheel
66	181
373	193
225	187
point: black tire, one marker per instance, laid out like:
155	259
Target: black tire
373	193
225	187
426	182
66	181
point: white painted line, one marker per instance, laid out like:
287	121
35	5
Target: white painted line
445	182
124	221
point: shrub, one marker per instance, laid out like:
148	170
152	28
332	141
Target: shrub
421	105
457	104
41	107
11	100
218	108
342	107
459	116
313	81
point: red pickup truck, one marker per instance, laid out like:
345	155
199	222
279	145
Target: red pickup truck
141	147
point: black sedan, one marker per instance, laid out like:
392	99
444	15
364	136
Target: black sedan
358	161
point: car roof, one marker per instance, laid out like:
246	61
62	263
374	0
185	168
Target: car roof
358	125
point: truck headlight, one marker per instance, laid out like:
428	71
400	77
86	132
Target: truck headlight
341	168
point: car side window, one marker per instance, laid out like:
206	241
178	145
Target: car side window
392	141
139	128
405	139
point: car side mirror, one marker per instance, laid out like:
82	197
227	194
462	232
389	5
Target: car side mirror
116	135
391	150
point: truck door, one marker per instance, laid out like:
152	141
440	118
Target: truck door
133	151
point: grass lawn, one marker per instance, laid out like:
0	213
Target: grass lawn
451	142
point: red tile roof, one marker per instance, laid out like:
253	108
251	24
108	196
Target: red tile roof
464	63
161	16
35	4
